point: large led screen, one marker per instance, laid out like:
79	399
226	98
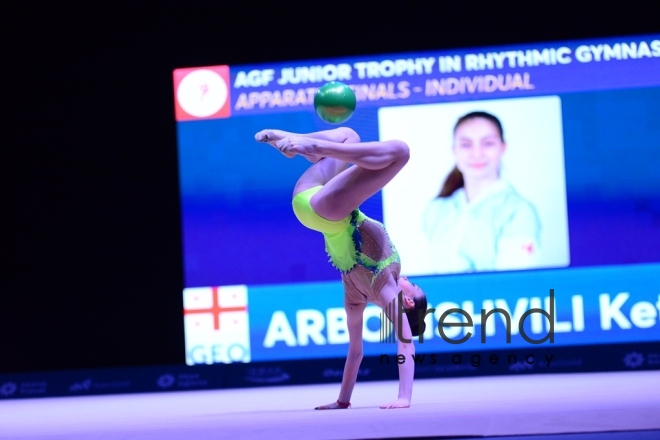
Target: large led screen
575	208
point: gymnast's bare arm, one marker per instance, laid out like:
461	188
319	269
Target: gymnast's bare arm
354	320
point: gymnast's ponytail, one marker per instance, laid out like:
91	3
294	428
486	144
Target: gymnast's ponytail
417	325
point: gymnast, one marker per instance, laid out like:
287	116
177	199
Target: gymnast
327	199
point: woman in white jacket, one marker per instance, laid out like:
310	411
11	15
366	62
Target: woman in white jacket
479	222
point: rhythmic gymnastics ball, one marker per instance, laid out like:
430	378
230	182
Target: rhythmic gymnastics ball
335	102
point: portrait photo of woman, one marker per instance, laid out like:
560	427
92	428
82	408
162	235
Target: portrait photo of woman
479	222
484	190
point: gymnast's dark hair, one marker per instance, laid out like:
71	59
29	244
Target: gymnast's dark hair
454	179
417	325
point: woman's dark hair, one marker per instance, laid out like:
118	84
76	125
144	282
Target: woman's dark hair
454	179
417	326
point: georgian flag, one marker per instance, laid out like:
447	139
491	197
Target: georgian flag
216	324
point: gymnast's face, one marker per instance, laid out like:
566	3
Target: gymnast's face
410	292
478	149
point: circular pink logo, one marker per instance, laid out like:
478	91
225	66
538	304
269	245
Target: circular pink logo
202	93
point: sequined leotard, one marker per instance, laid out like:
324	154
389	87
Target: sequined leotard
357	245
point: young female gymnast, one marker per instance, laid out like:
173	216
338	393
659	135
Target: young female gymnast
327	199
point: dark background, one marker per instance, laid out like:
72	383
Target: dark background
91	270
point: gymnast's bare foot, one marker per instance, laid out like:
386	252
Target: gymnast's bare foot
271	137
304	146
398	403
333	405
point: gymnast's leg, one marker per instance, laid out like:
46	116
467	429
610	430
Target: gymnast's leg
376	163
323	170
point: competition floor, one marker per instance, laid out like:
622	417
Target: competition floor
616	403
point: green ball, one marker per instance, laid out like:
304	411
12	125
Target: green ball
335	102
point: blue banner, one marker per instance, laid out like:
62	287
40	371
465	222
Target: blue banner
441	76
591	306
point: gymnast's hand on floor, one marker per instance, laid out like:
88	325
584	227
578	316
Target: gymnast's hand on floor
271	137
398	403
333	405
306	147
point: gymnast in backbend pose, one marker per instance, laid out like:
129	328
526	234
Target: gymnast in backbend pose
327	199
